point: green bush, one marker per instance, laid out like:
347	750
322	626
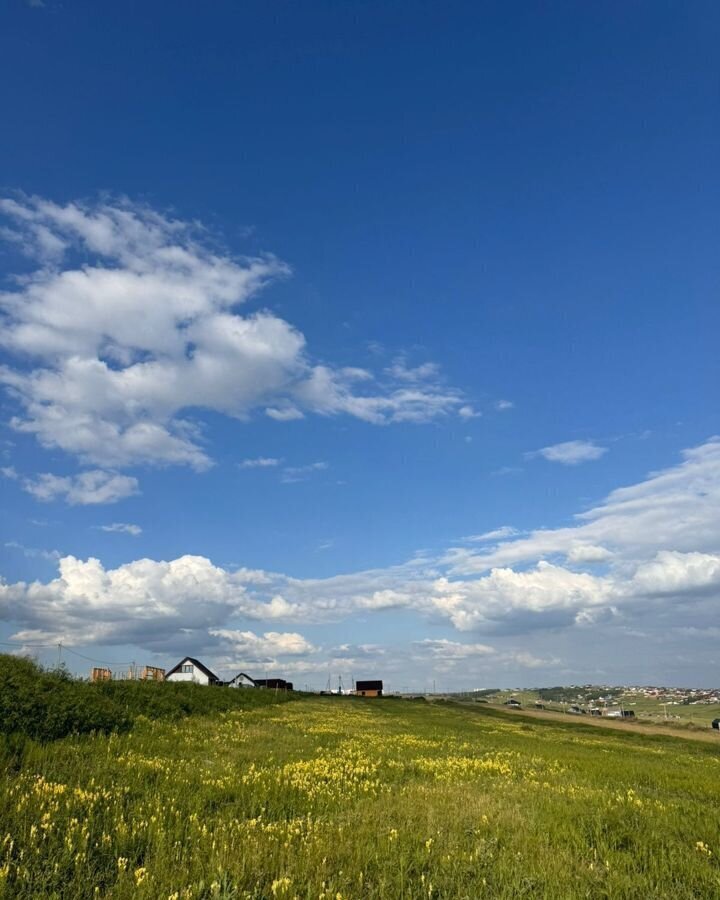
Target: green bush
48	704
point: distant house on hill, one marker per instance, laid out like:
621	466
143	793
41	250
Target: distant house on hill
277	684
620	714
191	669
241	680
368	688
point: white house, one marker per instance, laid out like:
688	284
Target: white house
190	669
241	680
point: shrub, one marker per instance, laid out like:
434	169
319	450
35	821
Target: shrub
47	704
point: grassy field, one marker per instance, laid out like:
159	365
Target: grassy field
337	798
648	709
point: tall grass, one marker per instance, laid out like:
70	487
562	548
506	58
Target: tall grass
49	704
330	798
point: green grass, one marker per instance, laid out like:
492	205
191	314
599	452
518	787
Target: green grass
339	797
648	709
49	704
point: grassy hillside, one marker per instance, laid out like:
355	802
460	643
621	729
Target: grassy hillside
46	705
337	798
650	709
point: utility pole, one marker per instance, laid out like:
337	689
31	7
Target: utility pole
59	662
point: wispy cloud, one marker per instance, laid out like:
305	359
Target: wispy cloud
122	528
291	474
34	552
570	453
497	534
260	462
86	488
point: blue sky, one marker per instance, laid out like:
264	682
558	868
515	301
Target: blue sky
301	300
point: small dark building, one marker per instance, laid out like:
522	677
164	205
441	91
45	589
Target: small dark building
716	724
368	688
275	684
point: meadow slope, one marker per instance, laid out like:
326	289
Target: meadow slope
337	798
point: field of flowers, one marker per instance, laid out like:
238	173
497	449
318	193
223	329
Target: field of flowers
338	798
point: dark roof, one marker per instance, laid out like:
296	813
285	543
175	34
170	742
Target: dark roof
196	662
242	675
368	685
274	683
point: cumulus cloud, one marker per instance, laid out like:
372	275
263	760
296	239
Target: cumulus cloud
261	648
657	542
588	553
671	572
92	487
160	335
146	601
571	453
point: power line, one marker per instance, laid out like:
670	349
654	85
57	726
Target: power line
65	648
90	659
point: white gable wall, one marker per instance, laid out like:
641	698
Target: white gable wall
195	675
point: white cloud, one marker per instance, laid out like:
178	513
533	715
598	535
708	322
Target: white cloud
122	528
402	372
502	405
671	572
291	474
445	649
497	534
260	462
160	334
588	553
450	653
284	413
657	540
33	552
571	453
85	488
256	648
146	601
675	509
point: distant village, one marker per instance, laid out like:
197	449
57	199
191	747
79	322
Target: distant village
194	671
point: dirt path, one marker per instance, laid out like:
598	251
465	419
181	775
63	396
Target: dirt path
710	735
